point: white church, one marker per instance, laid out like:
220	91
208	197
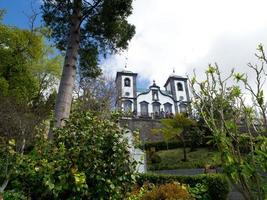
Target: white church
152	102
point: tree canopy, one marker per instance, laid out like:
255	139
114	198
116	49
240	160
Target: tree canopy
85	30
103	28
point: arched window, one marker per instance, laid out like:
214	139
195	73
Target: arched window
168	108
144	108
180	86
127	82
156	108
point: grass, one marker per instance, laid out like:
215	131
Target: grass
172	159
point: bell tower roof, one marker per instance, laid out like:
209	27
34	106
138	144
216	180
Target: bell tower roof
174	77
125	72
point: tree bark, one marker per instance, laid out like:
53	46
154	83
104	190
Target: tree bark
64	96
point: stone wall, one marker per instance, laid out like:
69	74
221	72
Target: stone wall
144	126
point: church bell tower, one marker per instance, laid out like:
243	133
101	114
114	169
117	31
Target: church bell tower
126	91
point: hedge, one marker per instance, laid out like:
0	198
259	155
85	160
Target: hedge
218	186
163	145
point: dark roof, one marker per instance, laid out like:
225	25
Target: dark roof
175	77
125	72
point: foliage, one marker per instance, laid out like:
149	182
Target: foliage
200	191
177	127
12	195
168	191
137	192
29	69
95	94
88	160
103	28
171	159
217	184
18	48
87	31
172	144
28	72
174	191
237	128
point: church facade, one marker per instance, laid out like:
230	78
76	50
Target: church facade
152	102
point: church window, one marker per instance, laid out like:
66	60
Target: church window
156	108
180	86
127	94
144	108
168	108
181	98
127	82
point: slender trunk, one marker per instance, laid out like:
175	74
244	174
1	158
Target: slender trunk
181	137
184	147
64	96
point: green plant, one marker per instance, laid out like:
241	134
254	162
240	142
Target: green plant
89	159
13	195
168	191
217	184
200	191
138	192
237	127
177	127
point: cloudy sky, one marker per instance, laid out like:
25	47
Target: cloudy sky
189	34
180	34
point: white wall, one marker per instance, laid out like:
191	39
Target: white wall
127	89
137	154
148	98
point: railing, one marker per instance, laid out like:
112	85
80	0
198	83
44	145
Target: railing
152	115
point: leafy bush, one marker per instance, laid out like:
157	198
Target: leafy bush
217	185
13	195
89	159
173	191
166	191
200	191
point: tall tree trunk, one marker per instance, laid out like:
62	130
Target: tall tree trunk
64	96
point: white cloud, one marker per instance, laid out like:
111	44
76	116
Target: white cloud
187	34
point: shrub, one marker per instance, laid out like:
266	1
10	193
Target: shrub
89	159
167	191
13	195
217	185
163	145
200	191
